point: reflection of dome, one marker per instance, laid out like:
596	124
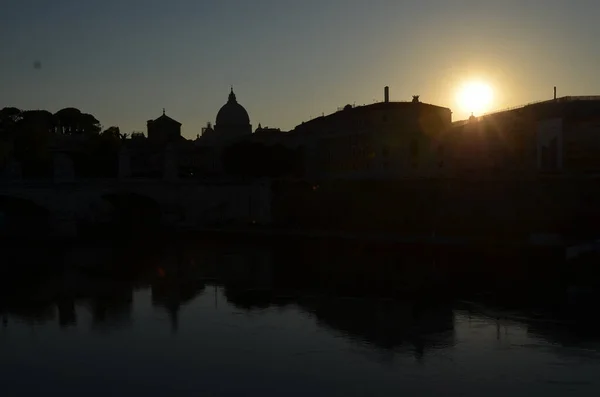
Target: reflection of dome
232	113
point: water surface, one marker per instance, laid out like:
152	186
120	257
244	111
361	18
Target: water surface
172	330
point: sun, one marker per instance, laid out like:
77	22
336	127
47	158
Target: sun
475	97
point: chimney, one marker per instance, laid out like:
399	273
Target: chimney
554	92
386	94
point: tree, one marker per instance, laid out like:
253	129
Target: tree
27	136
68	119
89	124
9	117
10	112
72	122
32	136
112	132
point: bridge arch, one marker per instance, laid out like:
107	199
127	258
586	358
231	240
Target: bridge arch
126	212
23	217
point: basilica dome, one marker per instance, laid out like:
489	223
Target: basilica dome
232	113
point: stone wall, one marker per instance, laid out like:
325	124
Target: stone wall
489	209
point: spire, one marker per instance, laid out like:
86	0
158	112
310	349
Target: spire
163	111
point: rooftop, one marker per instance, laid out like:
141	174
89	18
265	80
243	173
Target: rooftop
398	105
165	119
565	99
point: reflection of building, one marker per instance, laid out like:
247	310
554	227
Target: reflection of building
111	309
248	269
386	324
67	315
172	293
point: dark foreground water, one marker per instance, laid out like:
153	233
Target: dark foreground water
218	324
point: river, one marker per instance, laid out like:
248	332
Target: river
202	321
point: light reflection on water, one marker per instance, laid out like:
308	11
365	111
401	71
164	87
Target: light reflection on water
176	334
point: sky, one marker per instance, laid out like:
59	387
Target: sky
288	60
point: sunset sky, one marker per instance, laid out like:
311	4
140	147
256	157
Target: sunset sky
123	61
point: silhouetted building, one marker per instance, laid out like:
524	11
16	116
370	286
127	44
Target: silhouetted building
149	157
556	136
260	130
205	155
269	136
137	136
202	157
208	132
164	130
232	120
385	139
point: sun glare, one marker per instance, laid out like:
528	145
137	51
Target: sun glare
475	97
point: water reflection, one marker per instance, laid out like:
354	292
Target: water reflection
200	315
172	292
385	324
67	315
111	309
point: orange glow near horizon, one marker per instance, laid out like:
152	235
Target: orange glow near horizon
475	97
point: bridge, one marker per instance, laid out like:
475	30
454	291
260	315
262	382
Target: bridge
64	205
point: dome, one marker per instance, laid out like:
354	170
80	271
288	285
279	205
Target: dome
232	113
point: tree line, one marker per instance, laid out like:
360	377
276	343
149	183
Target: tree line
27	136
